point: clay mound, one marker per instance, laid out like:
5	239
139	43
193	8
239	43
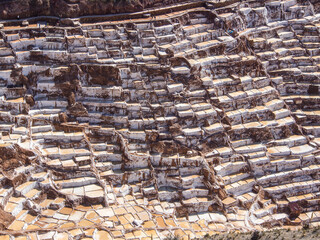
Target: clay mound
5	219
13	156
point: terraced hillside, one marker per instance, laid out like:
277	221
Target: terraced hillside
189	120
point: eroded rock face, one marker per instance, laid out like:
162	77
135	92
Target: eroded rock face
193	122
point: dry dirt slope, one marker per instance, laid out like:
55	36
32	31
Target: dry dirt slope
12	9
304	233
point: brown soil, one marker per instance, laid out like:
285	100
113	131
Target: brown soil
5	219
13	156
14	9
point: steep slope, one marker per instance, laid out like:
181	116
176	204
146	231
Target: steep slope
187	122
